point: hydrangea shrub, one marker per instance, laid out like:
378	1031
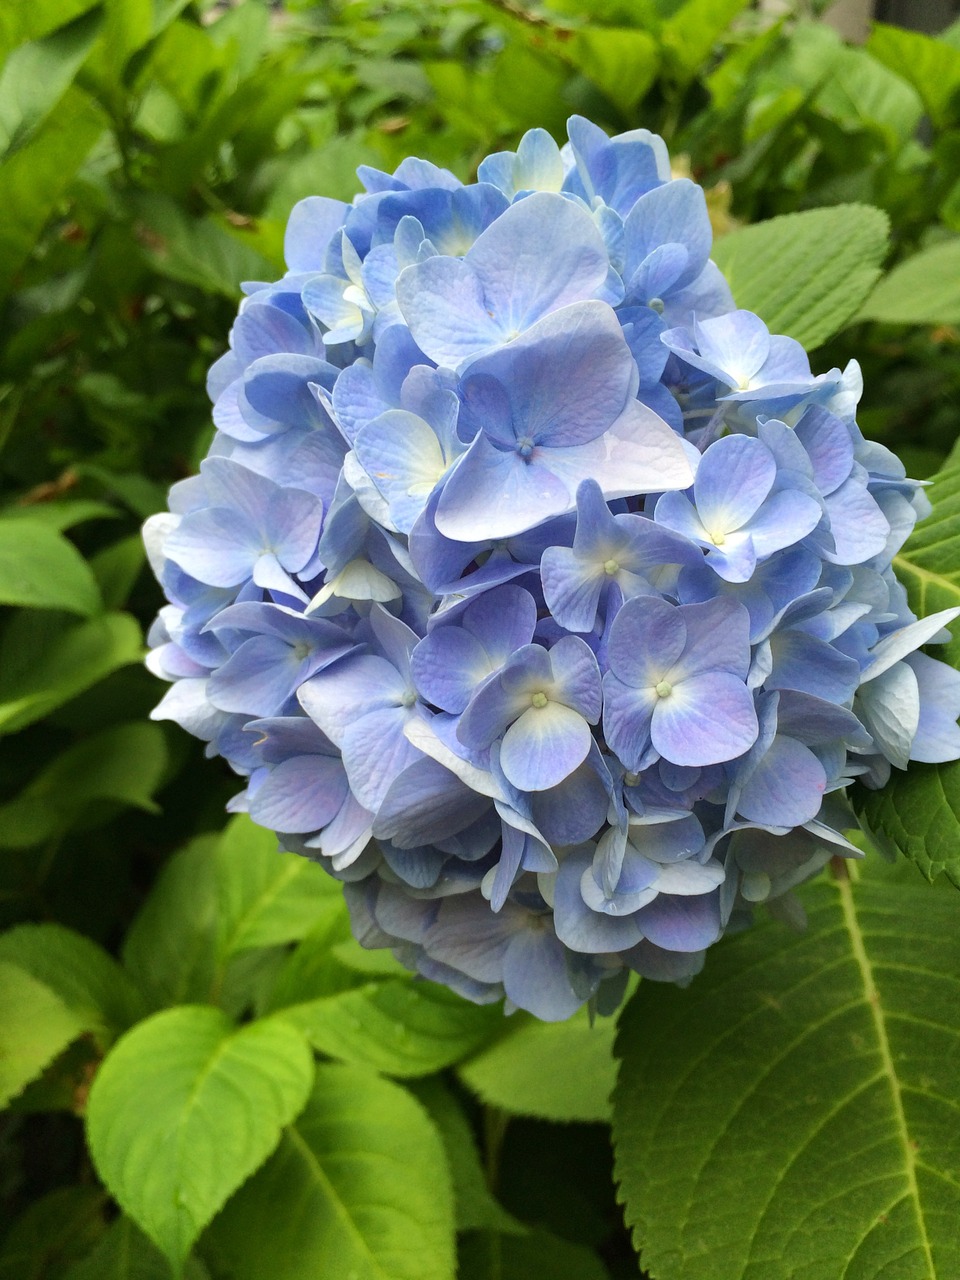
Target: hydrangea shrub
539	593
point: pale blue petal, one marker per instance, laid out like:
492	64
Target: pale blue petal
707	719
543	746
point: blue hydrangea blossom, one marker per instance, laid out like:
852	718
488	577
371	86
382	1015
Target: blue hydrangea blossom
540	594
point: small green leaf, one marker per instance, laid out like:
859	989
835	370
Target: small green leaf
184	1108
477	1210
170	949
34	178
398	1026
79	972
122	765
930	65
555	1070
621	61
357	1189
266	897
539	1253
125	1253
691	33
44	665
923	290
805	274
197	251
919	810
116	569
40	569
37	74
35	1026
51	1232
793	1112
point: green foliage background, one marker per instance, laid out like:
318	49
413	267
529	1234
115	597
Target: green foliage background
204	1076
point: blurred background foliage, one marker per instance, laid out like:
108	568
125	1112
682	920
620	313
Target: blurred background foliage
150	152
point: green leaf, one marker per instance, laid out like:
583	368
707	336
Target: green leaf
793	1112
51	1232
536	1253
619	60
37	74
20	23
266	897
38	677
919	810
35	1026
805	274
117	568
398	1026
477	1210
170	949
358	1188
34	178
521	1073
184	1108
197	251
60	515
923	290
930	65
125	1253
122	765
690	35
84	977
40	569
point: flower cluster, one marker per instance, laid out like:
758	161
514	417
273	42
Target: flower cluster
540	594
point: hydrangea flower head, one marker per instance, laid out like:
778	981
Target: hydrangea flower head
537	592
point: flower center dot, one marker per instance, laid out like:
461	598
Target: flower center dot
611	567
717	539
664	689
539	700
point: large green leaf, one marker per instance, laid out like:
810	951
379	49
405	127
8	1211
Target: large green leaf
266	897
690	34
44	665
621	61
171	948
35	77
806	274
79	972
184	1108
398	1026
34	178
35	1026
125	1253
793	1112
357	1190
919	811
923	290
122	765
556	1070
198	251
39	568
930	65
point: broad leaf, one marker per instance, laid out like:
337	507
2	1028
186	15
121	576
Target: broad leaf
806	274
123	765
40	569
35	1026
555	1070
690	34
919	811
36	75
398	1026
266	897
930	65
621	61
184	1109
45	664
84	977
923	290
170	949
125	1253
793	1112
198	251
357	1189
